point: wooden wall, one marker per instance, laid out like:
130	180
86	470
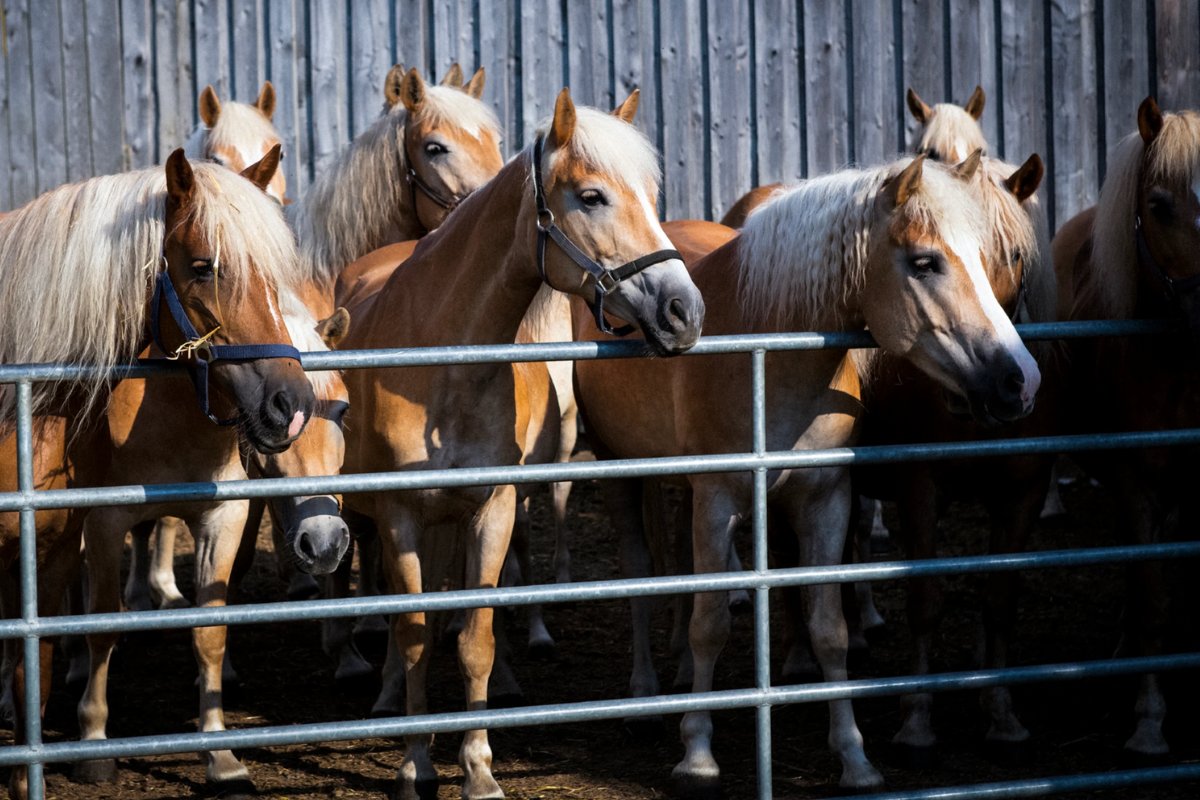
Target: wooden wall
735	92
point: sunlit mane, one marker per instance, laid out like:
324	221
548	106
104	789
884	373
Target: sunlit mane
76	264
239	126
362	200
1173	157
951	134
1020	228
610	145
803	255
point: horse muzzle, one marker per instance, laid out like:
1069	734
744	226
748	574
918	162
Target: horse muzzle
319	540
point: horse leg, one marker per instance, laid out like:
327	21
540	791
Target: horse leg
487	544
623	499
680	531
820	516
871	621
561	492
353	672
75	647
162	575
399	541
9	609
714	516
541	644
217	532
138	596
373	627
917	505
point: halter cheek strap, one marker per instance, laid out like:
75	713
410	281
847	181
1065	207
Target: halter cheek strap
199	350
606	280
1173	289
415	183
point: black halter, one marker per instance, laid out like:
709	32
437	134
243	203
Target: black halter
415	183
201	352
1173	289
606	279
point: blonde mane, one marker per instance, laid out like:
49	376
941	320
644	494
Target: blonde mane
362	201
952	134
1110	289
608	144
238	124
803	254
77	263
1021	228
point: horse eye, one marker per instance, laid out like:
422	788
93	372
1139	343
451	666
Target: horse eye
203	267
923	264
434	149
592	198
1162	204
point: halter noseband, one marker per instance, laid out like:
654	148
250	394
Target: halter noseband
1173	289
199	348
607	280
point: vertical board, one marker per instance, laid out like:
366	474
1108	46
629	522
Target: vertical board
75	96
498	54
972	57
288	69
247	54
210	40
826	88
137	83
370	60
683	117
412	34
1024	75
1126	67
174	88
543	34
106	103
729	160
6	201
635	61
875	100
924	67
588	56
22	139
49	123
1178	23
453	37
327	65
1076	142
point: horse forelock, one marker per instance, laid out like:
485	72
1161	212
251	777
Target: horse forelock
76	264
952	133
446	105
1020	227
607	144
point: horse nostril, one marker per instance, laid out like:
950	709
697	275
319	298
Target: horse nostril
304	548
283	406
677	312
1014	383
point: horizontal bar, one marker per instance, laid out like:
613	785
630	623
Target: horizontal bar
576	351
145	494
559	713
1037	787
259	613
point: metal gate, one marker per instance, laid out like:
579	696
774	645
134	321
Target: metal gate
762	696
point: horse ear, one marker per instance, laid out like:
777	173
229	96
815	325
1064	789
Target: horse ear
975	102
917	106
412	91
260	172
969	166
628	109
180	179
902	187
334	328
453	76
474	86
266	100
391	85
1028	177
1150	120
562	128
210	106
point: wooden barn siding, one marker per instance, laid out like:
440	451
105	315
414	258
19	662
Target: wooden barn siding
734	92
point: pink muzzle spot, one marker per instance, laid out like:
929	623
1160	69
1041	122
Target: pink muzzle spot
297	425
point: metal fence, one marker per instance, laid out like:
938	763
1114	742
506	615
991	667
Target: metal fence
762	696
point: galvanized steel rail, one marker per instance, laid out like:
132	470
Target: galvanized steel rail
761	579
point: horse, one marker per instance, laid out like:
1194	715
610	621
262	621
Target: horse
109	254
949	133
1133	257
584	224
235	135
907	259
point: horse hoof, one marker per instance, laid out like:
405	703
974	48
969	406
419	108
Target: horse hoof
1008	753
241	789
644	729
101	770
506	700
542	651
696	787
912	756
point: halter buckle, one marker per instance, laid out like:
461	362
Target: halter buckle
606	282
545	220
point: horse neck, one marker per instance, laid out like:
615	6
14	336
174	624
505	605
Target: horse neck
473	279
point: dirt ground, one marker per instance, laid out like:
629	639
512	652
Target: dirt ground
285	679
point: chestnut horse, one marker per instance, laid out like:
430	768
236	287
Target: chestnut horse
235	135
949	133
907	261
1132	257
94	251
593	189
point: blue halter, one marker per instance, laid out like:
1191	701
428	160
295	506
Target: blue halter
203	353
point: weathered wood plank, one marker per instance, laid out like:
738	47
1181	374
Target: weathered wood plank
1178	23
370	60
825	41
173	76
77	131
683	122
972	57
924	67
453	37
105	104
542	34
729	114
875	98
1023	66
1073	56
498	55
327	66
49	119
588	57
211	35
289	67
6	201
22	130
1126	67
412	34
247	67
137	83
634	61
